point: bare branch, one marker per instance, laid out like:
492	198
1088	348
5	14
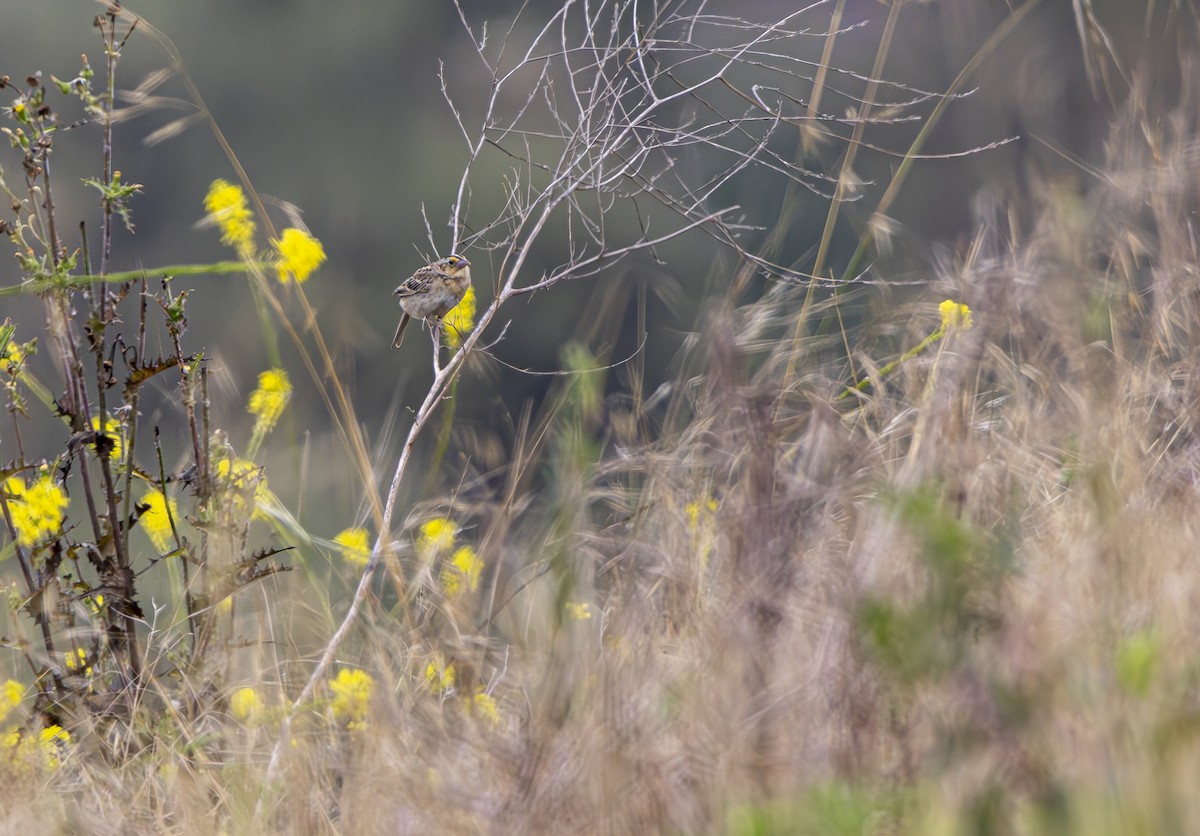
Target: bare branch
607	105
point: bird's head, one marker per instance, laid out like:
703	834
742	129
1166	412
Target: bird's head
454	265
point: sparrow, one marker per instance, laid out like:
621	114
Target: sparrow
432	292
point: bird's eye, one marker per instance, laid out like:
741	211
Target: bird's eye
452	260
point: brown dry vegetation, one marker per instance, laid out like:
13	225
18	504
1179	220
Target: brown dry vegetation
961	600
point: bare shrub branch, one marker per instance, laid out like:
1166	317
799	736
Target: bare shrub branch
607	109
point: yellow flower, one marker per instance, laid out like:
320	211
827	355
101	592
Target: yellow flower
42	750
268	400
114	432
241	473
954	315
694	510
52	733
352	696
52	741
299	255
579	612
240	477
355	545
13	355
462	572
246	705
77	662
461	319
155	521
36	510
438	676
484	707
226	205
11	694
437	535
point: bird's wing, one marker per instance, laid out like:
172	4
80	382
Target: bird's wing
418	282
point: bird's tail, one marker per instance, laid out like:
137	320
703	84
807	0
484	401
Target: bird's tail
400	330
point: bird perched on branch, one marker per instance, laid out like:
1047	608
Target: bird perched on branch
432	292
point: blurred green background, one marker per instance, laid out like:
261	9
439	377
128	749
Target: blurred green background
337	109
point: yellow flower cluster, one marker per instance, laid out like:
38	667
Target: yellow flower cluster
439	676
44	749
95	604
37	510
241	477
11	694
11	359
246	705
352	696
462	572
76	662
299	255
954	315
462	569
355	546
461	319
115	433
436	536
155	521
483	706
267	402
226	204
